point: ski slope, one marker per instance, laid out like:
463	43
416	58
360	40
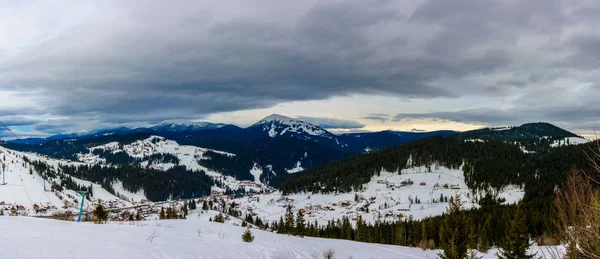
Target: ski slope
26	238
25	187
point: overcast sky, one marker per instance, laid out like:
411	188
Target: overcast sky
69	66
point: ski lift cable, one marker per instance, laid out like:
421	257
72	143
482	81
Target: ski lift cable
9	130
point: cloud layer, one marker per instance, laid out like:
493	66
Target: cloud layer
89	65
332	123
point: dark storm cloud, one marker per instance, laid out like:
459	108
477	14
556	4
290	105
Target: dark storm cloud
146	63
332	123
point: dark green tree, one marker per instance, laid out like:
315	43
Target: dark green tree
100	213
300	225
289	220
516	242
162	214
247	236
281	226
453	236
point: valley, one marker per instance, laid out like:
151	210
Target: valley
396	186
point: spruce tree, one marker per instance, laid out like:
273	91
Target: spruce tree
453	238
289	220
300	226
162	213
281	226
516	242
247	236
100	213
204	205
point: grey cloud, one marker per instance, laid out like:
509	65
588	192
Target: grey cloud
579	119
146	64
332	123
377	117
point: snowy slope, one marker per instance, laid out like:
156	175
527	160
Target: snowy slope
42	238
188	156
384	196
26	189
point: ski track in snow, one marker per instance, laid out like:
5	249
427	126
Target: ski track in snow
27	238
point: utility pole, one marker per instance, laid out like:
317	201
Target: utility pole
83	193
3	173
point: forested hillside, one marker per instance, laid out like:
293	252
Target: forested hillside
490	163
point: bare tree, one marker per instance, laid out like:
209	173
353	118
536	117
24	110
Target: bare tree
578	211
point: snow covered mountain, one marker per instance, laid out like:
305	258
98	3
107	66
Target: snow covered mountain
183	126
278	125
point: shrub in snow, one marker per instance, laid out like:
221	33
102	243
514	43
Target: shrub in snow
247	236
329	254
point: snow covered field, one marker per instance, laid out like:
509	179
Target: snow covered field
27	189
385	196
188	156
24	237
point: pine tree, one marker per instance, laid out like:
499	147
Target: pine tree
423	243
516	242
258	222
289	220
453	238
100	213
247	236
300	226
281	226
219	218
138	217
244	224
185	209
162	213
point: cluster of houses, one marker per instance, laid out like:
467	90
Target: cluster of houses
20	210
409	182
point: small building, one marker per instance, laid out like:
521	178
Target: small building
423	184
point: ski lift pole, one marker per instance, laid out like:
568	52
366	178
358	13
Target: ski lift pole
83	193
3	174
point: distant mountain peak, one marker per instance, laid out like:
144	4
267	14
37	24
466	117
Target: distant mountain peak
183	125
534	130
279	125
278	118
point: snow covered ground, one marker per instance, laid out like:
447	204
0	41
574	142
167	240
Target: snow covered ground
385	196
24	237
569	141
25	187
188	156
